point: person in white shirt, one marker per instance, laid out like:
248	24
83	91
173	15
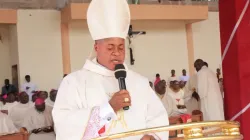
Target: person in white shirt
209	92
19	111
29	87
184	76
90	98
172	77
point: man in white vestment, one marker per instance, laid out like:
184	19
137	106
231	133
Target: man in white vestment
39	121
6	125
29	87
20	110
167	101
10	102
209	92
89	102
52	98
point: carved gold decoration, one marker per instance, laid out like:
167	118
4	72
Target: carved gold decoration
225	130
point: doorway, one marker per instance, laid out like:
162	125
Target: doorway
15	76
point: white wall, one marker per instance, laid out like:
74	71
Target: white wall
39	47
206	35
5	67
81	44
162	49
13	45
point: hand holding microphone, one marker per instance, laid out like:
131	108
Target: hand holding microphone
122	98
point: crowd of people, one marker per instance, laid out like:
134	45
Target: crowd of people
29	109
185	95
32	109
91	103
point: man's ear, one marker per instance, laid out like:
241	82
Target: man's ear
96	47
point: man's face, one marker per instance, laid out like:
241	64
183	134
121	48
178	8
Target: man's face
173	72
161	88
197	67
27	79
11	98
184	72
182	84
40	108
176	85
218	71
110	52
7	82
53	96
43	95
24	98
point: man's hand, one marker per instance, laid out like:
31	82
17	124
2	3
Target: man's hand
148	137
118	101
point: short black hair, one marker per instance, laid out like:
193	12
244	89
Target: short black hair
206	64
157	75
27	76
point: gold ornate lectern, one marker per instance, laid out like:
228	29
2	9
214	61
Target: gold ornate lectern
217	130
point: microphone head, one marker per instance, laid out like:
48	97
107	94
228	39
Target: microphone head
120	71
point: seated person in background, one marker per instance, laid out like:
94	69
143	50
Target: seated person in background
177	94
39	120
167	101
157	78
10	102
34	96
182	84
191	96
42	94
29	87
19	112
8	88
160	89
184	76
6	125
52	98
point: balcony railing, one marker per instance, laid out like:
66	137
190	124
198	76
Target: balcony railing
55	4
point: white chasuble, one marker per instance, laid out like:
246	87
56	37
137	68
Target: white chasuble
19	112
6	125
81	109
210	95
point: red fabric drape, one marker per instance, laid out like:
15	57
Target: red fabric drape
236	65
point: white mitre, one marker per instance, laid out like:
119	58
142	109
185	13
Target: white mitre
108	18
